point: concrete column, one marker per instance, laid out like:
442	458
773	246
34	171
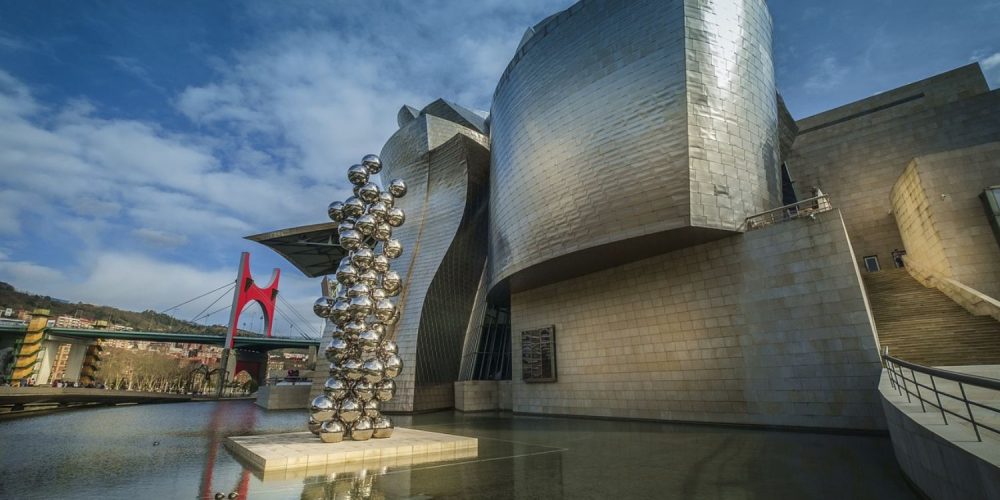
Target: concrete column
91	364
27	356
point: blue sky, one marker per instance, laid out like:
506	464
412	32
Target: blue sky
140	141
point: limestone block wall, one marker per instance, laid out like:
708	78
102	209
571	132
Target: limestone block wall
941	218
770	327
477	395
857	152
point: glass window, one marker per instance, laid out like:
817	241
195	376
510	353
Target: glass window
871	263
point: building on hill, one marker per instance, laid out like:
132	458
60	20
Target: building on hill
640	229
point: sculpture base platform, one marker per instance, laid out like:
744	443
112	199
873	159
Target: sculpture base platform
300	450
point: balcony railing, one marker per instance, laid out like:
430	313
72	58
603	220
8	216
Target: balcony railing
797	210
960	395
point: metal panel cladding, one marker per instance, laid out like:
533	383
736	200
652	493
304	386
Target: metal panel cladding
617	120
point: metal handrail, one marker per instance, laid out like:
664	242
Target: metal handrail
293	380
804	208
899	381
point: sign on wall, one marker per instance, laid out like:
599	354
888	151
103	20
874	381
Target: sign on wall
538	355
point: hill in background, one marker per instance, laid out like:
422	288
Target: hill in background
149	320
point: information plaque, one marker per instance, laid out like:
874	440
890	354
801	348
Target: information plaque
538	355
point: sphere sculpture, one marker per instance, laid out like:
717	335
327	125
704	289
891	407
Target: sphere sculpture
363	360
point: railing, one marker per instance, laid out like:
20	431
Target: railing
930	395
805	208
288	380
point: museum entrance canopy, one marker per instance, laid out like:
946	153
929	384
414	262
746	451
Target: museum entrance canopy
313	249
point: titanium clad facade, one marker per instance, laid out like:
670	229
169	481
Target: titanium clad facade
624	129
446	167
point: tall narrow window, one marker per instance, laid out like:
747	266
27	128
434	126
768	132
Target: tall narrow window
871	263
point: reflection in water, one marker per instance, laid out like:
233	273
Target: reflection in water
109	453
344	485
214	443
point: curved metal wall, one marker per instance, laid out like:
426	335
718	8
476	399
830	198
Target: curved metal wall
621	120
445	166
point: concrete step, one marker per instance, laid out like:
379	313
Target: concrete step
924	326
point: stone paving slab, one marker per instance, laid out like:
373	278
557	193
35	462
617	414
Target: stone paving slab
300	450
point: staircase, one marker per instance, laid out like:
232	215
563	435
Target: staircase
922	325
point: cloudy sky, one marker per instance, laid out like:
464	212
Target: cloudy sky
140	141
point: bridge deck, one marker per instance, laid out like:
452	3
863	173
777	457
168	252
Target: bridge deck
254	343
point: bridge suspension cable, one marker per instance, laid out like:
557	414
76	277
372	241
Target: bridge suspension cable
297	315
216	301
292	324
231	283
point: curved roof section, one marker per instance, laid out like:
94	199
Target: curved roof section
314	249
446	110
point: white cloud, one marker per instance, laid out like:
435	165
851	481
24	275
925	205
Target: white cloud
268	138
828	75
991	62
160	238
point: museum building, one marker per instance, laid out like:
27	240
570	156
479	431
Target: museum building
639	228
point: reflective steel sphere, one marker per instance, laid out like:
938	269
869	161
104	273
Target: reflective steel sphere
383	427
368	339
350	410
373	163
397	188
366	224
392	248
341	311
336	349
368	277
373	371
336	211
314	425
378	293
394	319
347	274
357	174
322	306
395	217
393	365
362	258
336	369
362	429
335	388
352	369
359	289
369	192
382	232
322	408
379	211
387	199
380	263
363	390
353	207
345	226
354	328
332	431
371	409
361	306
345	261
385	390
384	309
388	347
351	240
391	282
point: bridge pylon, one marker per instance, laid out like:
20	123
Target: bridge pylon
247	291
